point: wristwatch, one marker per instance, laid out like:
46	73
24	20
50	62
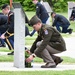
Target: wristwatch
33	55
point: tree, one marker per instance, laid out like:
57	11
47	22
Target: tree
57	5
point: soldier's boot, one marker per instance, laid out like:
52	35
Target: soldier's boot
70	31
57	59
45	55
48	65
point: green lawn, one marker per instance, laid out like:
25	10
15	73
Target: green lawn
10	58
66	72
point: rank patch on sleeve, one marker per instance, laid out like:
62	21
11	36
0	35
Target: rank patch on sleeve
46	32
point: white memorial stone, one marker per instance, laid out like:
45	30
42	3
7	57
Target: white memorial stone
70	8
19	38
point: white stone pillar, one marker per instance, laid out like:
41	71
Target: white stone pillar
19	38
70	8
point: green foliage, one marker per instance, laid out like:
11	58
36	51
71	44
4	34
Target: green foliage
27	64
3	2
28	5
57	5
60	5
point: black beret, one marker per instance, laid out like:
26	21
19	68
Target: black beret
52	13
34	20
4	6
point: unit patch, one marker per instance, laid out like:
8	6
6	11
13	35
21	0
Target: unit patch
46	32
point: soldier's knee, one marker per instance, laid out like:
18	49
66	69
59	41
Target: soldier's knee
38	43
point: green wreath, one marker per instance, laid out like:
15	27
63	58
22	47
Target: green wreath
26	63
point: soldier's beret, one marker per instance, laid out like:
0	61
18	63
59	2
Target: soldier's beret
34	20
4	6
52	13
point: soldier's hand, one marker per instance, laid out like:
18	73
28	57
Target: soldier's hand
29	59
2	36
28	51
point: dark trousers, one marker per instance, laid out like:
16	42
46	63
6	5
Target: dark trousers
64	28
10	42
44	20
2	40
1	32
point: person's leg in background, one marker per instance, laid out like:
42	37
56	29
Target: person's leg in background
2	42
58	26
10	43
28	33
32	33
66	30
48	21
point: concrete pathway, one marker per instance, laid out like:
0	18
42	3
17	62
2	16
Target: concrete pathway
9	66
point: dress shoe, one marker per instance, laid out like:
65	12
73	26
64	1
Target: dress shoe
70	32
12	53
58	60
48	65
2	45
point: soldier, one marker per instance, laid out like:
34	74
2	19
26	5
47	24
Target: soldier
9	34
48	43
61	21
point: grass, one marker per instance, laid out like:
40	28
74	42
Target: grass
6	58
67	60
66	72
10	58
4	50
